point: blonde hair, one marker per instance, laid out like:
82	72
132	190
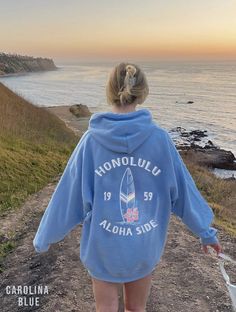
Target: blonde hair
127	84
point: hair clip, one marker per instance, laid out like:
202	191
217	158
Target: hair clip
130	80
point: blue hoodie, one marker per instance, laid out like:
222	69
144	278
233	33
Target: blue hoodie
123	180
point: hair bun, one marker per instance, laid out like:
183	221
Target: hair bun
131	70
126	85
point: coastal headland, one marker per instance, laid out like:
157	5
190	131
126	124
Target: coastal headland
11	64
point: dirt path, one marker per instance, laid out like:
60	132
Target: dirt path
185	280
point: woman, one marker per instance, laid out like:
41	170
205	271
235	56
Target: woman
122	181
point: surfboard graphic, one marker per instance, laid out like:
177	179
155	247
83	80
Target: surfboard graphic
128	208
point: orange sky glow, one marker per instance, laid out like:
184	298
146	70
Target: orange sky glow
150	29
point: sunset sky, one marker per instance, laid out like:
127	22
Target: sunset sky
113	29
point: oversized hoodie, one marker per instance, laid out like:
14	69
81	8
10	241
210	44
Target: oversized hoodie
122	182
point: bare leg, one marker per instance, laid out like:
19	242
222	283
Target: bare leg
136	294
106	295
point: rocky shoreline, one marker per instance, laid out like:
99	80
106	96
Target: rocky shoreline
197	146
194	144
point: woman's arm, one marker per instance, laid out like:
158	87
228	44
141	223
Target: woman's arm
189	204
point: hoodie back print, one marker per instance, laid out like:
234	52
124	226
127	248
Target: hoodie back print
122	181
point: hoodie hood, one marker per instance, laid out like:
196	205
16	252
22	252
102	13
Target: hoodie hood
121	132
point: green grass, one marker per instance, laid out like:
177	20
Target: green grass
5	249
219	193
26	168
34	148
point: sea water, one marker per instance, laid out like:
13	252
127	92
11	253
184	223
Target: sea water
210	85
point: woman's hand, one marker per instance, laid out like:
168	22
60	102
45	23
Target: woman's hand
216	247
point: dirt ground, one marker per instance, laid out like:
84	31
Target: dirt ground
185	279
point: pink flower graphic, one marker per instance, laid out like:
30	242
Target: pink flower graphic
131	214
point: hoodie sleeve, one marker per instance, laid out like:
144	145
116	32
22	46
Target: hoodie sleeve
65	208
189	204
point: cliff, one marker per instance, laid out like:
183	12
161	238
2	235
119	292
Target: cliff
14	63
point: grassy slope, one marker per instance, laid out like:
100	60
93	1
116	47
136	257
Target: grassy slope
220	195
34	148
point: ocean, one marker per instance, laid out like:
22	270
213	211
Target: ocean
211	86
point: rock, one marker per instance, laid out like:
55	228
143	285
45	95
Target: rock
198	133
209	144
80	110
211	157
183	102
192	144
178	129
232	178
193	138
